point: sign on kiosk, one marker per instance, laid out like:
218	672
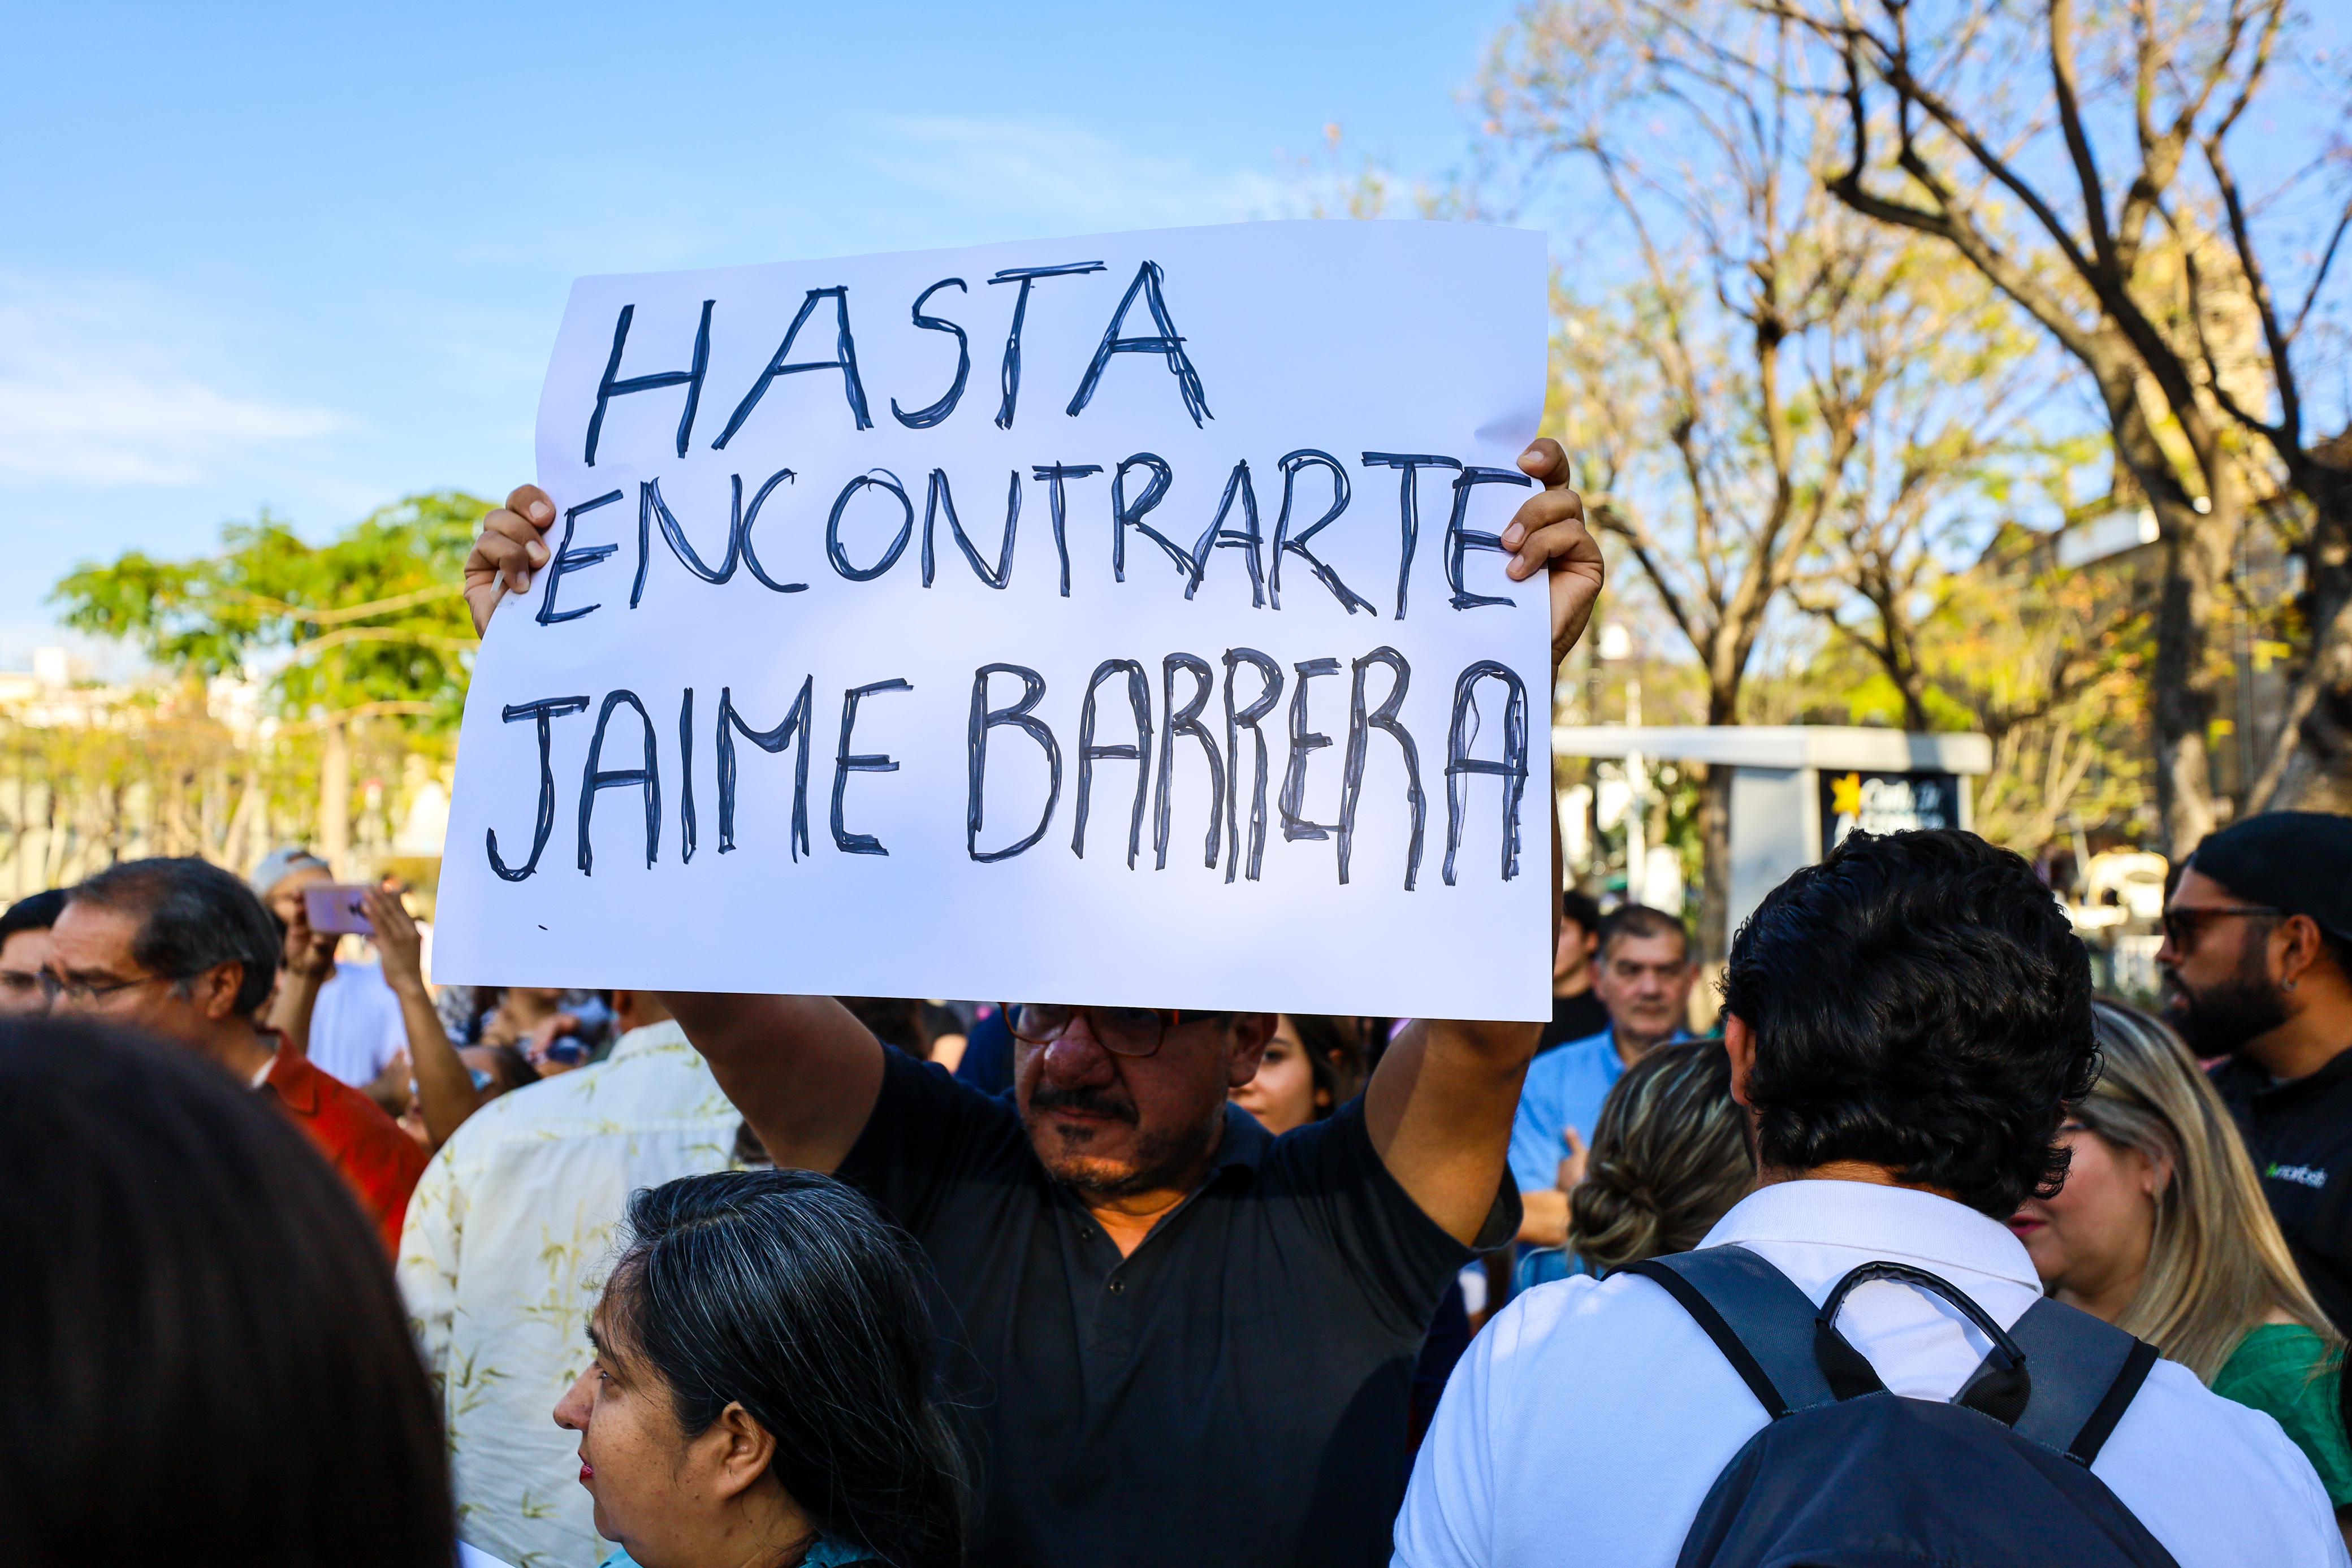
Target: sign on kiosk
1117	619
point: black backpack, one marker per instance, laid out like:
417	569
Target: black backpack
1847	1475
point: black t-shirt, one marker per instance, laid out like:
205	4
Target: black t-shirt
1579	1017
1232	1394
2299	1134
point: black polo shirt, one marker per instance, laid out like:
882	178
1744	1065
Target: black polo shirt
1231	1394
2299	1134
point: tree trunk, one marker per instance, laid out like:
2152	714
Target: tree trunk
1714	842
2195	550
335	797
2323	730
2181	696
235	849
1714	878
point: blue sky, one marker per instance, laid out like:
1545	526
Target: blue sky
312	259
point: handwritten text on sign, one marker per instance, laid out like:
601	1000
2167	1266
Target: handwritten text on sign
1117	619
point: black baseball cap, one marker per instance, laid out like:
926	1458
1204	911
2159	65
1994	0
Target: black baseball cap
2298	862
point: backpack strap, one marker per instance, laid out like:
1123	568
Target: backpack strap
1757	1317
2085	1374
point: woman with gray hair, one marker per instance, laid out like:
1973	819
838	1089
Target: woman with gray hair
761	1391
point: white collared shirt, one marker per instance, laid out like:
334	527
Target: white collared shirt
1587	1422
503	1257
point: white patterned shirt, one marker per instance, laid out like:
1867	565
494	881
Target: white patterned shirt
503	1257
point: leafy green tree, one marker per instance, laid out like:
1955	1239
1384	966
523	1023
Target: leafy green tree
369	626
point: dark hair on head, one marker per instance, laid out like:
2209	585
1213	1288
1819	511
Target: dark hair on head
35	912
1918	1000
1333	1056
1669	1158
202	1351
193	916
784	1292
1580	908
1640	920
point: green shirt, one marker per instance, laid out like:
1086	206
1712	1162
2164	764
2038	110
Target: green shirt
2285	1371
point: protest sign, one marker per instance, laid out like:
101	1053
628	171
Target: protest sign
1115	620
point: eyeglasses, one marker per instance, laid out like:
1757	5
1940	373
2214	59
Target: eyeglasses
1122	1031
87	993
2184	925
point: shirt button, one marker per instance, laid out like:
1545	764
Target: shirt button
1117	1285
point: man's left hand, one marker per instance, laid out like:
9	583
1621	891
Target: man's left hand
397	941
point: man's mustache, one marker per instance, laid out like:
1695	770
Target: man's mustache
1086	1102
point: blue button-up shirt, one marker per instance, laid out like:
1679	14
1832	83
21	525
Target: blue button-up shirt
1565	1088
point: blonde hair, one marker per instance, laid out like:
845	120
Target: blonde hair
2217	1265
1669	1158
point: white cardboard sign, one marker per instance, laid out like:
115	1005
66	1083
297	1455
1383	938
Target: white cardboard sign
1114	619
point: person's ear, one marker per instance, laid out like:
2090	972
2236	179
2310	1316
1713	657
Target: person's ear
2294	946
1740	1045
215	992
2155	1175
743	1450
1251	1033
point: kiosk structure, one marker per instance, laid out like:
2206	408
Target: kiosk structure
1797	790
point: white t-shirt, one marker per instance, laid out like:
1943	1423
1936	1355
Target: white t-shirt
356	1025
1588	1421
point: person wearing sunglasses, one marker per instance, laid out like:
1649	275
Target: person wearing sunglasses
1175	1338
2257	963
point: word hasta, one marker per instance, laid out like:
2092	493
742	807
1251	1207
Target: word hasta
1241	843
1166	342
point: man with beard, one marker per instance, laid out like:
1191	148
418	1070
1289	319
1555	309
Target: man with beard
1174	1338
2257	961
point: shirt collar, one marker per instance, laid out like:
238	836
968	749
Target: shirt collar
1243	1147
653	1037
1892	1222
294	1079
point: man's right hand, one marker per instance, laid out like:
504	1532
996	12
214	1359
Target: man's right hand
507	551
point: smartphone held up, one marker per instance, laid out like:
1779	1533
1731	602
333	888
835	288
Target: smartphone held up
336	907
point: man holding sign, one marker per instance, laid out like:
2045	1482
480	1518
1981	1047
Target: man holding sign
1179	1340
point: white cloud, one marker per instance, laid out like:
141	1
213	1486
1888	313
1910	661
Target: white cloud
1053	172
108	383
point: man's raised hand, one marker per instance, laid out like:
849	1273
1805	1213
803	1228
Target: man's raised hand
508	550
1546	533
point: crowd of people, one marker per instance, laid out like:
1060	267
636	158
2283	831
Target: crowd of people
311	1263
